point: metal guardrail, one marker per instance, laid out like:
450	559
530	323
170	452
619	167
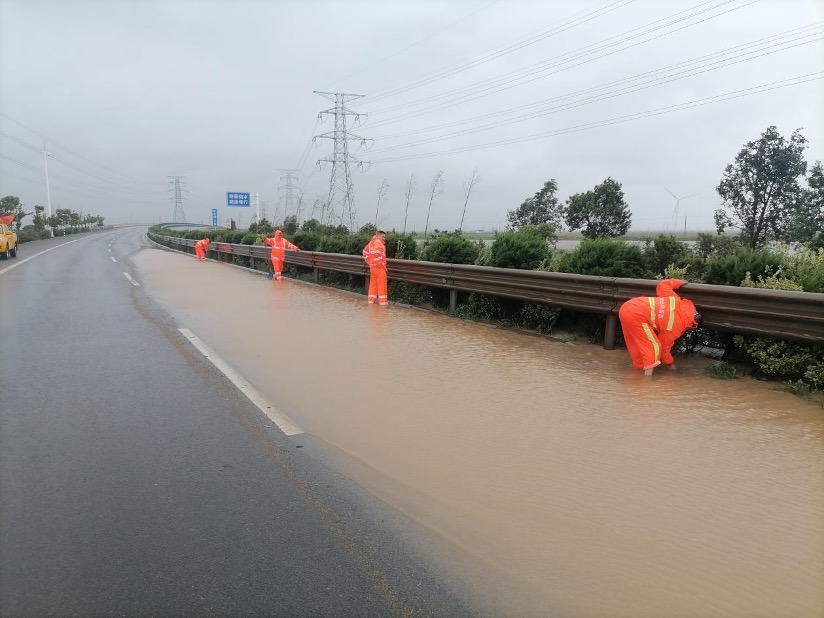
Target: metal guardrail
794	316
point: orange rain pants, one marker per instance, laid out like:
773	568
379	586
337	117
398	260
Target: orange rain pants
377	286
642	341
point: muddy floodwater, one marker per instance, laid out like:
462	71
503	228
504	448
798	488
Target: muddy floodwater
586	487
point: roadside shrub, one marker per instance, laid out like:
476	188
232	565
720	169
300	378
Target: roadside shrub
773	282
331	244
29	233
806	267
606	257
721	370
545	231
717	245
785	359
533	316
451	248
401	246
664	252
356	242
523	250
409	293
732	269
307	241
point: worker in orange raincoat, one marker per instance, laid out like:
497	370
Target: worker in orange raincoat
201	247
651	324
375	255
279	245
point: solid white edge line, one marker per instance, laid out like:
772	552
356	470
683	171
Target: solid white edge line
129	277
283	422
31	257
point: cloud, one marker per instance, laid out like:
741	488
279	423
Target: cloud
222	93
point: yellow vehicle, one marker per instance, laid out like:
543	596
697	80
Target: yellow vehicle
8	242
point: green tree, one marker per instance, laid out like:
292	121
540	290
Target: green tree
541	208
760	188
261	227
806	223
599	213
11	205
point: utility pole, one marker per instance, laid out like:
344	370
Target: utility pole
257	210
48	188
287	198
341	190
177	185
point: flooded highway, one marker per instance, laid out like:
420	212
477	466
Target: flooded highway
586	488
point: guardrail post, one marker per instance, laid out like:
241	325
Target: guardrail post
366	285
316	273
453	300
610	331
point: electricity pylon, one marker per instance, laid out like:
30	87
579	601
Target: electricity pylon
287	192
341	190
177	186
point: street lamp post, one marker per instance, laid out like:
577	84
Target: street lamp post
48	189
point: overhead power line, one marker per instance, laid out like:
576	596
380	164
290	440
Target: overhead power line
53	143
508	48
416	43
793	81
616	92
799	35
72	181
526	75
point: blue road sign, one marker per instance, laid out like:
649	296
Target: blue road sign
237	199
214	217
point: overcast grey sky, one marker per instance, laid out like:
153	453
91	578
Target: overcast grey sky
654	93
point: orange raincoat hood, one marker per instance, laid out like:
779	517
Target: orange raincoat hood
686	312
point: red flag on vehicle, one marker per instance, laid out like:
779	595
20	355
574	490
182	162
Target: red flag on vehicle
6	219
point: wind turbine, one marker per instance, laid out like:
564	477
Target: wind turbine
675	212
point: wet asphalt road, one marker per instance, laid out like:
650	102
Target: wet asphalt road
135	480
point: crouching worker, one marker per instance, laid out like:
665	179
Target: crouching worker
279	245
652	324
201	247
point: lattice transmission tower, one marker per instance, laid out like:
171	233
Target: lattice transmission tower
289	193
341	198
177	186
